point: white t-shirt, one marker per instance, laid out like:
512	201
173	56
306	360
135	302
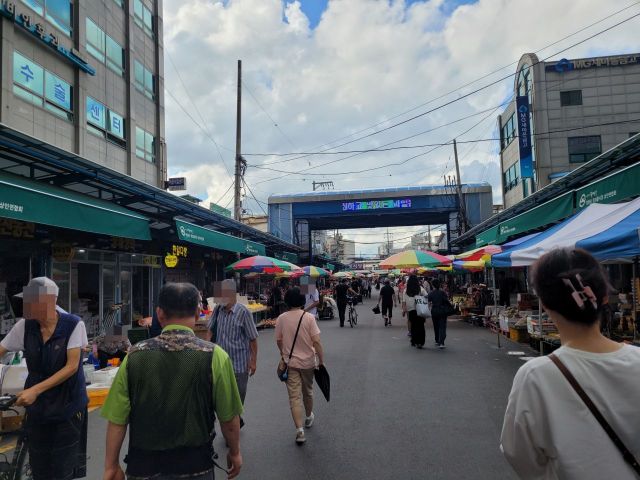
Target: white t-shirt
14	341
411	301
548	431
312	298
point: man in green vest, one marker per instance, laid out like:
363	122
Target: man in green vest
168	391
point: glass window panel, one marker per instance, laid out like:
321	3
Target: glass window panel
148	81
59	13
149	144
57	91
148	21
95	113
115	54
28	74
137	9
139	74
36	5
27	96
116	124
140	138
95	40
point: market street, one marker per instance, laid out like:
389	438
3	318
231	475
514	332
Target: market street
395	412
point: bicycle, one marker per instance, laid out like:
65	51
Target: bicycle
18	467
353	314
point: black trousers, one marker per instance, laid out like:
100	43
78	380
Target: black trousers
342	307
417	328
57	451
439	328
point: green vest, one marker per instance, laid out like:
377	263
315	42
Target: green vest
171	392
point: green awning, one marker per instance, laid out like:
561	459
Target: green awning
38	202
614	188
488	237
540	216
189	232
287	257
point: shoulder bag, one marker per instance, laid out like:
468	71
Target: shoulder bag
422	306
283	367
626	453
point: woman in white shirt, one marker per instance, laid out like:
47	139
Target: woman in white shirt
416	323
548	431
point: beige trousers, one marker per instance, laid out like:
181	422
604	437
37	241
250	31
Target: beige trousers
300	389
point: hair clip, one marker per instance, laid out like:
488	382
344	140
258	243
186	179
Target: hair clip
580	296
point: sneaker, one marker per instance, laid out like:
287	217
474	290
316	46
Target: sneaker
436	344
308	423
442	347
300	438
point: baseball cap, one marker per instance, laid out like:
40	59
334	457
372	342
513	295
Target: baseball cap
40	286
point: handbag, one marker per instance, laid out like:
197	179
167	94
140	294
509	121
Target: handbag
422	307
283	367
376	309
617	441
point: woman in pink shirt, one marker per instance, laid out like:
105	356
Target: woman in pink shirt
303	360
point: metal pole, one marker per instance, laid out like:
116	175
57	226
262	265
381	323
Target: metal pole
463	223
495	303
237	204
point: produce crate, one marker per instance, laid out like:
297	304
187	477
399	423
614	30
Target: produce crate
519	335
97	396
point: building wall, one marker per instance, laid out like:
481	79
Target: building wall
117	92
609	94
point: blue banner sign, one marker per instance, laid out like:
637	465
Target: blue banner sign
26	21
376	205
524	137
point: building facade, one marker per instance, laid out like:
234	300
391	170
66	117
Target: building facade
88	77
340	248
576	109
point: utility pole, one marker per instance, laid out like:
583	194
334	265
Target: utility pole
463	217
429	233
237	201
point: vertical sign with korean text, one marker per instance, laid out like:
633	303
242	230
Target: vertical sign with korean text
524	136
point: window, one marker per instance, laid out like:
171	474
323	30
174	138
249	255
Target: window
36	85
511	176
143	17
524	81
571	97
120	3
104	122
99	44
144	80
58	12
583	149
508	132
145	145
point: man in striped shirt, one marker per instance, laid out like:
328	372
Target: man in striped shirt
233	329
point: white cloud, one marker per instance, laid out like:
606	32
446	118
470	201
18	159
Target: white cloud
365	62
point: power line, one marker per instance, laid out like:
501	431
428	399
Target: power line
225	193
480	78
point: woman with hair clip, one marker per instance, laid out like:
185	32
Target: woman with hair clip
574	414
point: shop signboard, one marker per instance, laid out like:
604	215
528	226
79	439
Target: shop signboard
488	237
614	188
189	232
176	183
151	261
287	257
180	251
62	252
225	212
540	216
524	136
171	261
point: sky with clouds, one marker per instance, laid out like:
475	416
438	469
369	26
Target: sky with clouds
320	73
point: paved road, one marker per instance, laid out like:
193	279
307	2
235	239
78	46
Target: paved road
395	412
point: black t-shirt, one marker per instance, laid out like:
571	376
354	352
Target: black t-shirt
386	294
438	301
341	292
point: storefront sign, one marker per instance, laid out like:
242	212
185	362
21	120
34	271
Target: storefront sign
171	261
151	261
565	65
180	251
614	188
189	232
123	244
376	205
524	136
176	183
17	229
62	252
38	30
286	256
220	210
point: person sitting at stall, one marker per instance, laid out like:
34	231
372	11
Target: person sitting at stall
55	393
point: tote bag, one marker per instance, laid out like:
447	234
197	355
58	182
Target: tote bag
422	306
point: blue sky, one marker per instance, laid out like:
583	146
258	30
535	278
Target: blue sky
313	9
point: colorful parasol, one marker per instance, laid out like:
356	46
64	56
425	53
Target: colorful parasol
262	264
414	259
314	272
343	274
480	254
470	266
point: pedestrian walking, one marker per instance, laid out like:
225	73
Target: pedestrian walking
416	323
440	307
387	298
168	392
549	430
232	327
341	292
306	354
55	393
312	299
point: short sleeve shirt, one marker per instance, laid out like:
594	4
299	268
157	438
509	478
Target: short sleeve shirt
312	298
14	341
227	402
304	355
386	294
234	331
